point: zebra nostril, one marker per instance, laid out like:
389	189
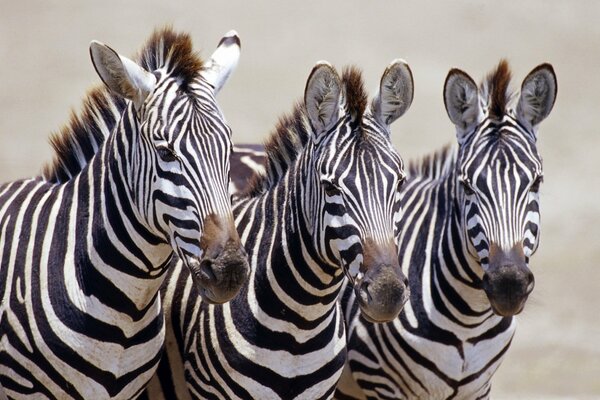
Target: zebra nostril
207	271
365	296
531	284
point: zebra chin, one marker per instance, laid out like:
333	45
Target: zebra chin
507	280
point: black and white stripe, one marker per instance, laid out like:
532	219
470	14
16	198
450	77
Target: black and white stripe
84	249
323	209
470	223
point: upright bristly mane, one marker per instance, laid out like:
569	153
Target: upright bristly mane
496	91
293	131
78	141
495	88
434	165
356	96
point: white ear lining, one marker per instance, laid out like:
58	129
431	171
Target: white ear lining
143	80
395	94
121	75
323	97
538	94
223	61
461	98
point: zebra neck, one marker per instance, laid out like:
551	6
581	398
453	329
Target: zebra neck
119	245
448	279
289	284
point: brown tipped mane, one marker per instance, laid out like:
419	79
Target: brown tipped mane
434	165
293	131
496	86
282	148
172	50
356	96
76	143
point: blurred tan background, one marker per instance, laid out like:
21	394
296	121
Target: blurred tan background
45	71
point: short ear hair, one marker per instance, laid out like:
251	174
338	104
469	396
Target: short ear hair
223	61
323	98
461	98
121	75
395	95
538	94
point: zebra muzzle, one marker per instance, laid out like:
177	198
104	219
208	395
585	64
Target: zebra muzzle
223	269
383	290
220	278
507	280
381	299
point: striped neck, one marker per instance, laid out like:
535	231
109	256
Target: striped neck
288	272
120	245
446	283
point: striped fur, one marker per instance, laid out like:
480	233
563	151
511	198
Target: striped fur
447	342
460	207
306	222
85	248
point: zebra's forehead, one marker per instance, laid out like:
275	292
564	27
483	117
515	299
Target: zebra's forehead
191	109
362	155
501	150
500	134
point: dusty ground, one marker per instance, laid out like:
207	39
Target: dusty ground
45	70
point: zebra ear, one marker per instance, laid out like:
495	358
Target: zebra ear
538	94
121	75
461	98
395	93
323	98
223	61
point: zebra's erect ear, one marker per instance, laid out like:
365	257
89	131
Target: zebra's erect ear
323	98
395	94
121	75
538	94
461	98
223	61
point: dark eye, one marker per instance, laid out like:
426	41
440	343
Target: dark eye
467	187
535	186
166	153
401	183
330	189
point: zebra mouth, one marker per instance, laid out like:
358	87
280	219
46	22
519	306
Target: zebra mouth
381	300
219	279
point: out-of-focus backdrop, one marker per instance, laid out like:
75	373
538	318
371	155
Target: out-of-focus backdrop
45	71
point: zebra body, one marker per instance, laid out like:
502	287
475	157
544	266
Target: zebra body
308	221
84	249
470	223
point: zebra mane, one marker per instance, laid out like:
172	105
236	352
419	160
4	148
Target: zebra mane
76	143
292	132
495	88
434	165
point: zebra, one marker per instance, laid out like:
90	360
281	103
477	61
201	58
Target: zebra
469	226
323	209
85	247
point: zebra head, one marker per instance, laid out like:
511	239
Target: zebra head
176	153
355	174
499	175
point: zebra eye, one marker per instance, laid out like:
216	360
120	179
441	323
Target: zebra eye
330	189
535	186
467	187
166	153
401	183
